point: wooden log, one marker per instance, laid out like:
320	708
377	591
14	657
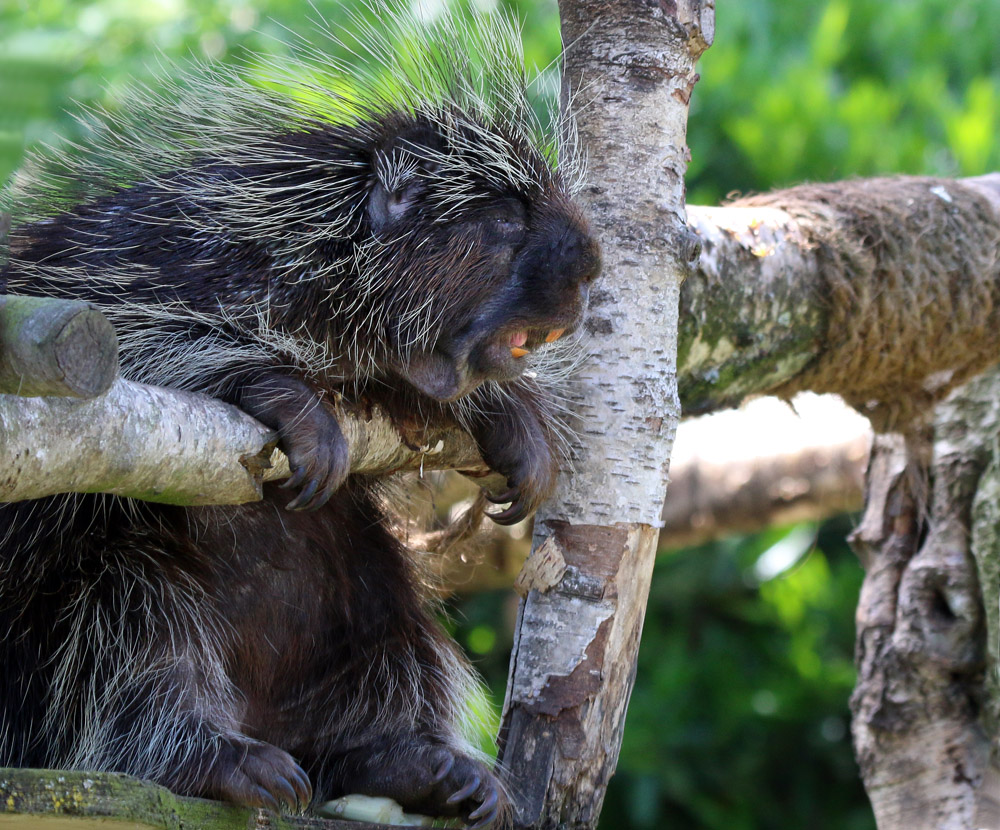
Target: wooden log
64	348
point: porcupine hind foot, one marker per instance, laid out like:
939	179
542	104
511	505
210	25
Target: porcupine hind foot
427	778
255	774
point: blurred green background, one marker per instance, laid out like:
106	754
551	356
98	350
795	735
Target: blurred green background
739	717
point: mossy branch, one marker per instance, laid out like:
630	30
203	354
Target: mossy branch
111	800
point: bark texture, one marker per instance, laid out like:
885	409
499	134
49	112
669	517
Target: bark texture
184	448
898	303
925	707
55	347
585	586
884	291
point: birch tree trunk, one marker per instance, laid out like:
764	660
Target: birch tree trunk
584	588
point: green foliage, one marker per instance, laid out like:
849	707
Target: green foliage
57	56
739	716
821	91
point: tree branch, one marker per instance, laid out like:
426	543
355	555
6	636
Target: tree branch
185	448
55	347
884	291
707	499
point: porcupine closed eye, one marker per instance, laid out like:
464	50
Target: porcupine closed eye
400	237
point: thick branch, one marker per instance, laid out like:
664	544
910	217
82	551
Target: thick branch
184	448
884	291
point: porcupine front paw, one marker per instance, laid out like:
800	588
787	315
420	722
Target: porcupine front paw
256	774
430	779
317	456
524	457
308	433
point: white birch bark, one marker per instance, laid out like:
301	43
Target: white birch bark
175	447
585	585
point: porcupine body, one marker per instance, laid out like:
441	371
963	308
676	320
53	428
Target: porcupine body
406	242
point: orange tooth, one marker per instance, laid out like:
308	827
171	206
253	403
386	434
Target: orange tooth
517	351
554	335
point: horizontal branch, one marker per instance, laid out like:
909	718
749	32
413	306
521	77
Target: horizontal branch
54	799
709	500
184	448
884	291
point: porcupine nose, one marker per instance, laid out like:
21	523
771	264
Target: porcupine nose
579	257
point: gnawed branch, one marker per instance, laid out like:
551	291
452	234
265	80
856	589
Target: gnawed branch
55	347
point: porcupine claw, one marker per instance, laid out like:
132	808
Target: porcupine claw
431	779
257	774
486	812
506	497
308	434
512	515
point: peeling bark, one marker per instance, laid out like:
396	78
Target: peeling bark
578	627
921	732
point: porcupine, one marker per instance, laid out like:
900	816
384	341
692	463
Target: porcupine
404	238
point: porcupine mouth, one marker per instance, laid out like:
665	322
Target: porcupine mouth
505	355
453	369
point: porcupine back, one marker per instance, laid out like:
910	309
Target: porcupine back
260	171
390	237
